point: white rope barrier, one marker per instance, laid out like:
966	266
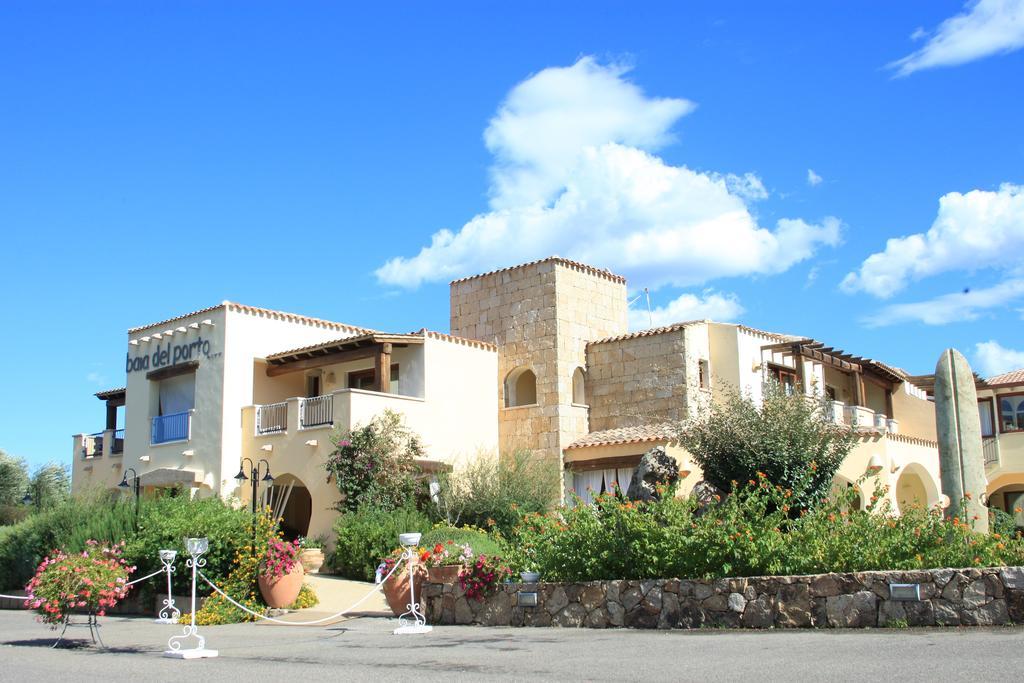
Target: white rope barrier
301	623
147	576
14	597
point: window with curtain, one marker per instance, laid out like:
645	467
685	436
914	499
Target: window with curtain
988	427
177	394
591	483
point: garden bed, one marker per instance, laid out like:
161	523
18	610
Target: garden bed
946	597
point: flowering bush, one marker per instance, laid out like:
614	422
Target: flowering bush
447	554
757	530
483	576
280	558
93	580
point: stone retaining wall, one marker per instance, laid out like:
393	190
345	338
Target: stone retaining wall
948	597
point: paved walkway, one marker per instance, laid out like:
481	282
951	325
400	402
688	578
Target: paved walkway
364	649
337	594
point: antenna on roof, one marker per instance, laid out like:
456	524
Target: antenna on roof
650	314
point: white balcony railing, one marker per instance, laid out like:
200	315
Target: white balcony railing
272	418
317	411
990	451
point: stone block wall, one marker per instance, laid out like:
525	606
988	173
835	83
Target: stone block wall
948	597
540	315
645	379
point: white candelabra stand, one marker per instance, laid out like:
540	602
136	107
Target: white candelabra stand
413	620
169	613
196	548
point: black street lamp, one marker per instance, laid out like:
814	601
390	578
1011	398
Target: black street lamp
124	485
255	478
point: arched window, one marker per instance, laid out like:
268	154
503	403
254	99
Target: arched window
579	394
1011	409
520	388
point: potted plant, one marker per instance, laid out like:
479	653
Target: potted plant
396	586
92	581
280	575
446	560
311	553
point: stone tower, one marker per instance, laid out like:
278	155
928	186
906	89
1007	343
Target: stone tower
540	315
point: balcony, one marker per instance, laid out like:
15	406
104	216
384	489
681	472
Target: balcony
317	411
272	419
990	451
171	428
107	442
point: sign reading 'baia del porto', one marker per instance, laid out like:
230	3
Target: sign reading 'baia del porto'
168	355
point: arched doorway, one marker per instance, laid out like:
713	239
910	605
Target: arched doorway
290	500
915	487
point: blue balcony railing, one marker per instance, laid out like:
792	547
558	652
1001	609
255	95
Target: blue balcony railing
172	427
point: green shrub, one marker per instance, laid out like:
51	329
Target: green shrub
1003	523
68	526
496	492
375	465
782	437
479	541
367	535
166	522
751	532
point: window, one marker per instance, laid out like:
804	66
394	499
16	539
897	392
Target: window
988	427
1011	412
313	385
704	373
367	379
589	484
177	394
786	379
520	388
579	394
830	392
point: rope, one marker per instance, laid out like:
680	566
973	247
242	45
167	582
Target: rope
300	623
14	597
147	576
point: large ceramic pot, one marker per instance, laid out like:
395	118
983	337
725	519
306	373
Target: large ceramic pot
446	574
396	588
312	559
282	592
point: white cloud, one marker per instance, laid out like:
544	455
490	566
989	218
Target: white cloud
813	179
96	378
979	229
708	305
950	308
918	34
984	28
994	359
575	175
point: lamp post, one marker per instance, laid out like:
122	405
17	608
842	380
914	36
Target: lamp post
254	477
124	485
196	548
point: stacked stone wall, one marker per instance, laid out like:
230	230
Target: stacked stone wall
948	597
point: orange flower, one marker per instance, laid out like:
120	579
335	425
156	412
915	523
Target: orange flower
438	549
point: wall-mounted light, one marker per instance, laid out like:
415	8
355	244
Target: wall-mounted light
895	465
875	465
944	501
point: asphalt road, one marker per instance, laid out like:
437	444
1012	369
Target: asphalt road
365	649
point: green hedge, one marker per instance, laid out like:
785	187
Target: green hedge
479	541
367	535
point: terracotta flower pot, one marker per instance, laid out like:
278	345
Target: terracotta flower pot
446	574
312	559
282	592
396	588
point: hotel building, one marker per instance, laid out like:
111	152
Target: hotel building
539	357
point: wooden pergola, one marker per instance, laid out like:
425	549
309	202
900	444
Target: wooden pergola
859	368
375	345
114	398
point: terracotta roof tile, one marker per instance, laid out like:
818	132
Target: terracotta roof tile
592	270
648	333
1011	377
255	310
663	431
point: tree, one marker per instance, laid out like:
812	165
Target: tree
13	479
376	464
788	438
50	486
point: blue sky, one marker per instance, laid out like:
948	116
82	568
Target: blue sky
742	162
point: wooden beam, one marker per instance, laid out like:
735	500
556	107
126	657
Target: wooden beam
858	389
382	369
319	361
607	463
172	370
888	404
111	415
